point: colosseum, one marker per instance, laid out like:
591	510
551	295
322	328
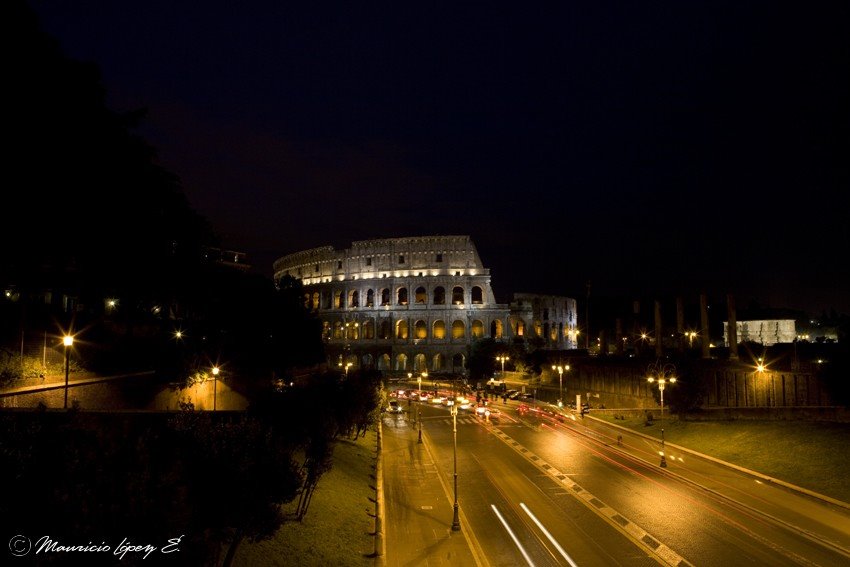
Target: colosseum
417	304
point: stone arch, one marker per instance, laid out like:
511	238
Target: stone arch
457	295
352	330
386	330
458	329
401	330
370	298
401	362
326	330
439	295
420	329
315	303
366	361
354	298
477	295
538	329
369	329
520	328
338	329
439	330
337	300
384	362
438	362
401	296
420	364
327	300
477	329
420	296
458	362
496	329
385	296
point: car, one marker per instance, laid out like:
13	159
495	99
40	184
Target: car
394	407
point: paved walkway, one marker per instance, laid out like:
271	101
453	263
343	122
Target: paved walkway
418	506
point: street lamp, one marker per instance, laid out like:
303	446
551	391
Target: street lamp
67	340
663	375
502	359
347	366
760	369
215	372
455	519
691	336
560	370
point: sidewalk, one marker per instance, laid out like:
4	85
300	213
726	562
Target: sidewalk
418	509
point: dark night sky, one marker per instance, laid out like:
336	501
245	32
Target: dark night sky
679	148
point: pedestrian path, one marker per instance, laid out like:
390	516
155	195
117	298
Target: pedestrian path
418	509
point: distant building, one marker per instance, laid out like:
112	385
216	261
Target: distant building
415	304
768	332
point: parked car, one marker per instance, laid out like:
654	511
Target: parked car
394	407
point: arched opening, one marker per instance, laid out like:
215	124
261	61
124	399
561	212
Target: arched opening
337	299
326	330
421	296
366	361
439	331
457	295
439	295
401	362
419	363
401	296
520	328
496	329
477	295
315	303
458	330
458	362
384	362
538	329
477	329
385	296
354	298
386	330
369	329
401	329
370	298
352	330
326	300
438	362
420	330
337	329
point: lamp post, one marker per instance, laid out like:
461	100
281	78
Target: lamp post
502	359
560	370
663	375
455	519
760	368
67	340
215	372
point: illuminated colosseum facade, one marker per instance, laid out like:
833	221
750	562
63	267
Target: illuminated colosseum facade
408	304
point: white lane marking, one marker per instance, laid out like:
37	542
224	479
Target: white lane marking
513	536
548	535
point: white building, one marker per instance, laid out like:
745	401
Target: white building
767	332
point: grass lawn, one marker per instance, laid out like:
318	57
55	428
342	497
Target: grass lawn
812	455
336	530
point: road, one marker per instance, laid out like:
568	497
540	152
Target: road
537	491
